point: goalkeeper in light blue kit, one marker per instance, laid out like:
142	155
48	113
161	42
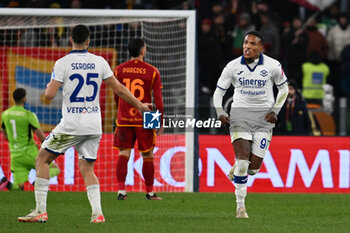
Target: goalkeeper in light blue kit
80	74
253	112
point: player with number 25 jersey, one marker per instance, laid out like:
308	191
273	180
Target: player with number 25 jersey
81	74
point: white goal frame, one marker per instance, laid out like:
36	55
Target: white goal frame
190	17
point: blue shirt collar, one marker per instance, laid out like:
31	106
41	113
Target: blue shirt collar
79	51
260	62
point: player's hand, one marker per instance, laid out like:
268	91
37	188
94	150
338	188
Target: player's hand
224	120
160	130
271	117
145	107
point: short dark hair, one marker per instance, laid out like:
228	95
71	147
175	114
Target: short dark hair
135	47
343	15
80	33
257	34
293	83
19	94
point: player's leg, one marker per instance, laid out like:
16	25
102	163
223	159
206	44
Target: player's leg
42	165
87	151
42	182
20	170
148	174
260	144
21	164
146	141
54	169
124	140
33	153
241	137
53	146
16	185
255	164
20	177
93	188
242	148
122	170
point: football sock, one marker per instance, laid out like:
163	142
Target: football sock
122	169
123	192
54	171
41	189
240	181
148	173
94	196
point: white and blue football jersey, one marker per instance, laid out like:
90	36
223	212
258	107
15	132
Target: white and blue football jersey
81	74
253	85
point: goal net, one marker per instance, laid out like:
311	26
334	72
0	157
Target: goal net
31	40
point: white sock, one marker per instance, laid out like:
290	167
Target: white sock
240	205
240	181
123	192
41	189
241	193
94	196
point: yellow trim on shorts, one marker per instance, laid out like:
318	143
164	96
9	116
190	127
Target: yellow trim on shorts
121	148
145	151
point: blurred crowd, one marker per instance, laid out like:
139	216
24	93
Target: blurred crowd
313	47
101	4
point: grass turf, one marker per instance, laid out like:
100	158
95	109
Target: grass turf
181	212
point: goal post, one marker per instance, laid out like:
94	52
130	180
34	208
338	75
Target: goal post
31	40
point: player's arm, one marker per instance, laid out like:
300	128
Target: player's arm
125	94
280	99
35	126
56	81
223	84
116	97
282	86
3	129
40	134
52	88
158	99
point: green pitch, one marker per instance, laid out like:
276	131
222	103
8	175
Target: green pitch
181	212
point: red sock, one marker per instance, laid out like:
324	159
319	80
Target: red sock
148	173
122	169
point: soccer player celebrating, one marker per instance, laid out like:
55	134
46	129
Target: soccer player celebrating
253	112
80	74
141	79
18	125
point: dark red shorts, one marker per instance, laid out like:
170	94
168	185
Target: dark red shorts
125	137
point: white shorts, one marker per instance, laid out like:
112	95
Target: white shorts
259	136
85	145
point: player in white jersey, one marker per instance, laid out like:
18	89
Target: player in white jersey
80	74
253	112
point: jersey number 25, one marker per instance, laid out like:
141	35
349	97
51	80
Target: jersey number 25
74	97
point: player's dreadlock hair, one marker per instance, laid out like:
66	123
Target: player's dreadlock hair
257	34
19	94
80	33
135	47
